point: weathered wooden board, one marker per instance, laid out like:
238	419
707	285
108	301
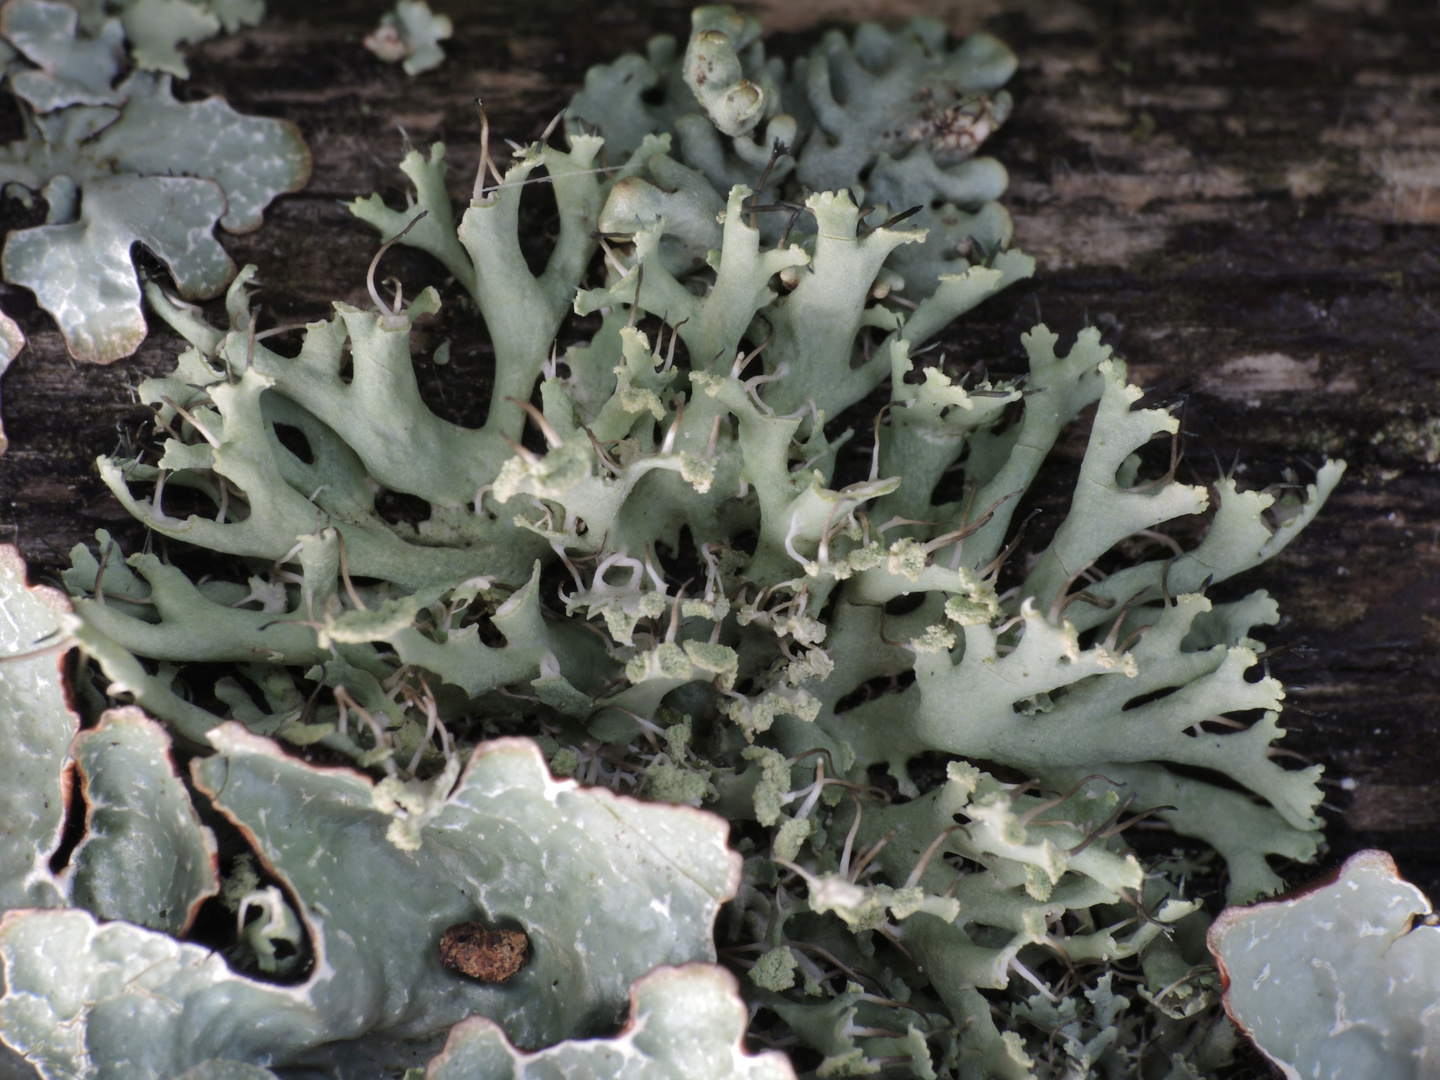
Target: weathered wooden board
1245	197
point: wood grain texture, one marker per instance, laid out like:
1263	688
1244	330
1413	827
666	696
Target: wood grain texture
1246	201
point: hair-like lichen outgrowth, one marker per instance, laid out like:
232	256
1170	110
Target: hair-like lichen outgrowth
685	586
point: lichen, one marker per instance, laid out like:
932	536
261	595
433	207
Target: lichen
1339	979
661	565
124	164
412	34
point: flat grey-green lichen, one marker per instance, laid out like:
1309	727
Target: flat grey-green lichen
926	749
12	340
156	28
411	33
683	1022
497	846
36	733
1340	979
124	164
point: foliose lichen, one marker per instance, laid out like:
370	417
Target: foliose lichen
121	164
1338	979
411	33
659	565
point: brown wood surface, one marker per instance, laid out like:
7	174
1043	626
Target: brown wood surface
1245	197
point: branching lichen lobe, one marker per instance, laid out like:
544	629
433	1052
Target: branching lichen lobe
667	592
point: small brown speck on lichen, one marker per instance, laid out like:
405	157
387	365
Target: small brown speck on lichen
487	955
